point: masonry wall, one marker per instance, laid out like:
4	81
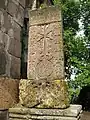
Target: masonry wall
11	22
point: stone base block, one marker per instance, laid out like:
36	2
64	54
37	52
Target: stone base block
9	92
71	113
43	94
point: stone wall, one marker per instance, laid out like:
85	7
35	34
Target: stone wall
11	21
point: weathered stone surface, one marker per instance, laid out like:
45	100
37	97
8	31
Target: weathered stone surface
22	2
4	40
2	61
2	4
22	117
3	54
15	67
11	21
45	46
16	10
12	8
8	92
45	16
71	113
46	94
73	110
15	47
17	31
5	21
20	16
9	25
1	19
4	114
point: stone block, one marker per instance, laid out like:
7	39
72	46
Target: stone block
44	16
71	113
8	22
46	94
4	40
17	31
15	67
12	28
17	11
4	56
15	47
45	45
1	18
22	2
1	39
3	60
19	18
8	92
2	4
12	8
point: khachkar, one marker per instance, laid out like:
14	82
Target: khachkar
45	86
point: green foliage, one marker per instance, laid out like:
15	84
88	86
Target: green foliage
77	49
85	14
73	94
70	12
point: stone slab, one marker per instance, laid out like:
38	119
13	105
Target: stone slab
44	16
73	110
9	92
42	117
43	94
45	45
71	113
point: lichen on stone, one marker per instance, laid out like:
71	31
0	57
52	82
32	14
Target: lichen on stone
44	94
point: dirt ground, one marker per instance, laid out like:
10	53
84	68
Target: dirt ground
85	116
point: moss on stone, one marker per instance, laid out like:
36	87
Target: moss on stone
44	94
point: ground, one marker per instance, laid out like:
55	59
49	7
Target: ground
85	116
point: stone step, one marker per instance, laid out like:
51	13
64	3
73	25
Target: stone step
16	117
71	113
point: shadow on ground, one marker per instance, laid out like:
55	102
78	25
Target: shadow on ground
84	98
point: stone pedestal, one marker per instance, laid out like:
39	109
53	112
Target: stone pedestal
43	94
22	113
